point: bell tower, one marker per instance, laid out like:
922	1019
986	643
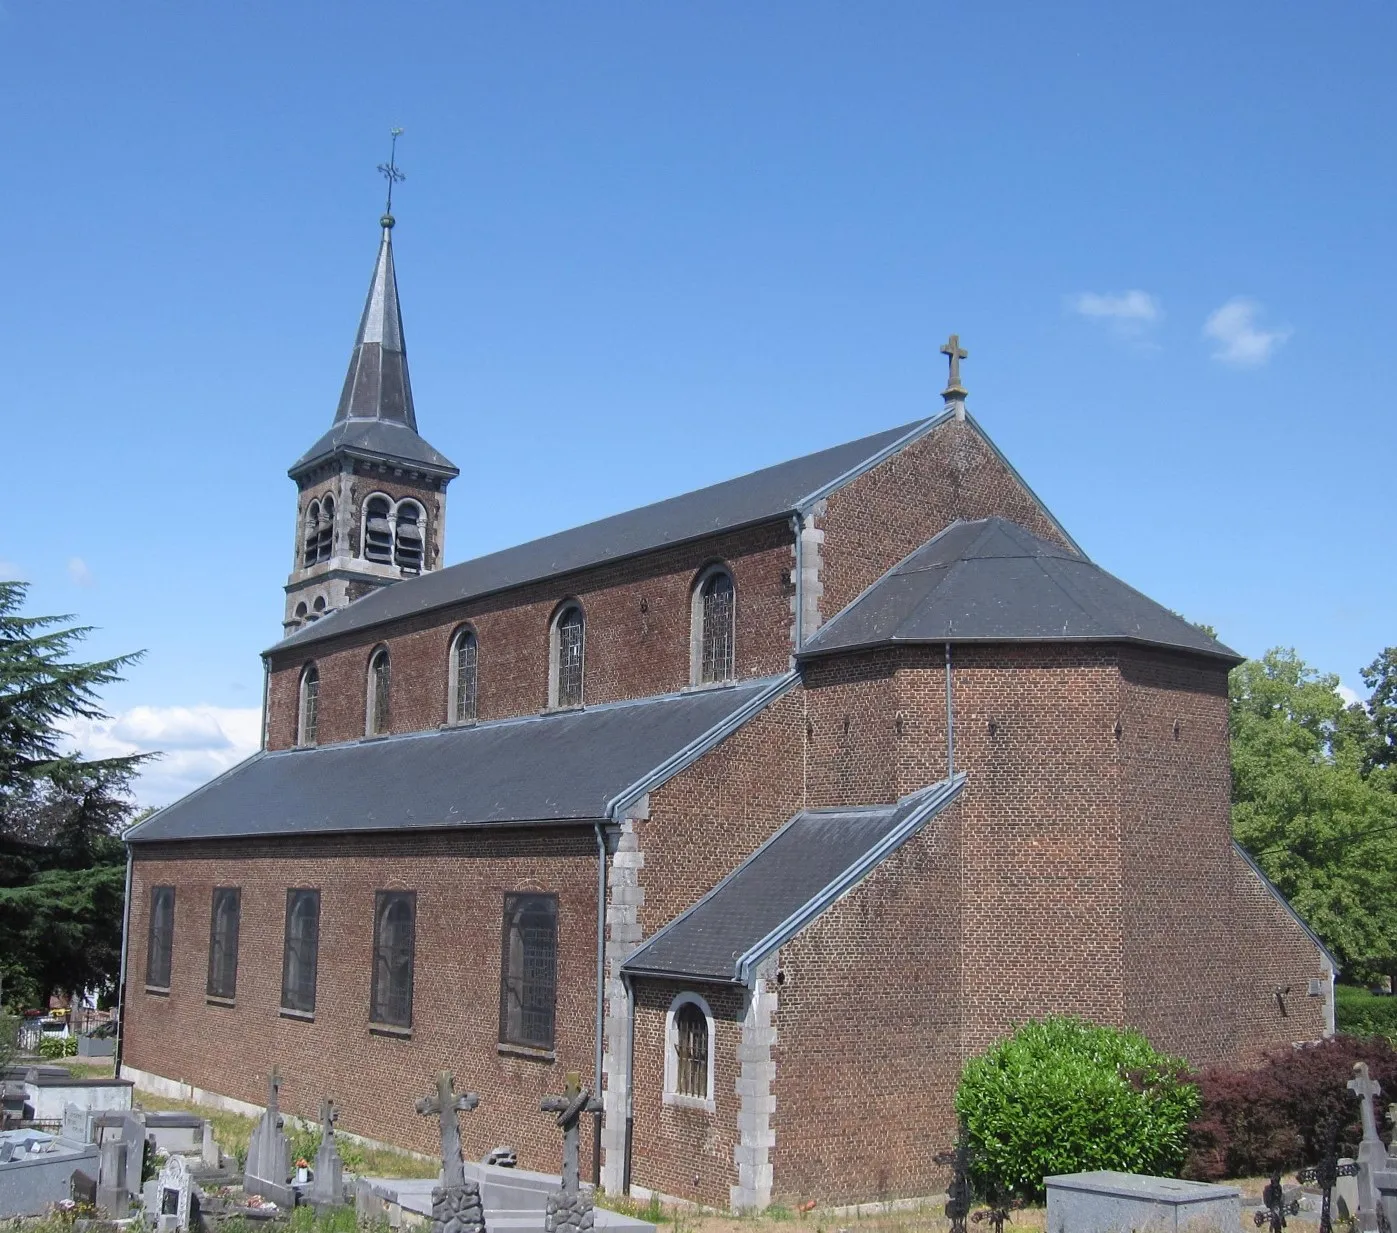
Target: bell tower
371	504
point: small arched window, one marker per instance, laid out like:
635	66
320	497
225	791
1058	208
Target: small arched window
464	657
689	1051
325	530
407	537
301	612
569	639
310	534
714	621
378	530
309	712
377	714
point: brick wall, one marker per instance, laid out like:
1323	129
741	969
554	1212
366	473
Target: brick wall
637	640
868	1031
460	880
877	519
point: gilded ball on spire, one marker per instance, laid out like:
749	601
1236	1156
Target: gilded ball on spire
387	222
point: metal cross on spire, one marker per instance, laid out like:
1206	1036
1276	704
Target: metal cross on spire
954	391
389	171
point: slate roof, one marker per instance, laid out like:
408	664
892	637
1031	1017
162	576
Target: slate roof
992	581
785	884
750	499
375	414
568	766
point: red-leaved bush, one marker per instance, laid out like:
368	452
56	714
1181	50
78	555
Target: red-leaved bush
1278	1115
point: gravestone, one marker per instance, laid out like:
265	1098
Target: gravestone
268	1165
77	1125
83	1189
1105	1201
209	1154
327	1188
113	1193
570	1207
174	1192
456	1206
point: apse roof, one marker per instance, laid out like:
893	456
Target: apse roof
992	581
744	501
818	856
567	766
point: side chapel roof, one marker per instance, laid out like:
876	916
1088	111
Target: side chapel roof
992	581
567	766
814	859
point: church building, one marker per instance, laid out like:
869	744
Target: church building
764	807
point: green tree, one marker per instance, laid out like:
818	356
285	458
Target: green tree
1324	832
61	859
1381	756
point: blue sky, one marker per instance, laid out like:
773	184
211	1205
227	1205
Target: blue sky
643	247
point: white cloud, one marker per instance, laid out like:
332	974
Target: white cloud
198	743
79	572
1350	696
10	572
1129	315
1239	339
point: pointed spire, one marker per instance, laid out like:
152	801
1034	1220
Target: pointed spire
377	385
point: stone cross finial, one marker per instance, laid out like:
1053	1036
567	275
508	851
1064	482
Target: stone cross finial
445	1105
329	1115
570	1106
273	1094
1366	1089
954	391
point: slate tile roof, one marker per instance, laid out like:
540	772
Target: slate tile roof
567	766
992	581
788	882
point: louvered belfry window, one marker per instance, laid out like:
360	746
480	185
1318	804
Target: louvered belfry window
160	943
571	633
325	530
379	695
465	657
716	616
311	533
528	970
691	1050
378	531
302	951
223	942
407	539
394	925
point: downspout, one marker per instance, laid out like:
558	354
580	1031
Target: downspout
601	997
266	689
950	721
630	1074
121	980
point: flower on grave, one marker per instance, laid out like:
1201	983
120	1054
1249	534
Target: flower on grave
303	1163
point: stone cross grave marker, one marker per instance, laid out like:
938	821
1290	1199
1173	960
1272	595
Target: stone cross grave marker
570	1207
328	1187
174	1194
1372	1155
456	1205
269	1153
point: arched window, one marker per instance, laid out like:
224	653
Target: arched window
311	533
407	538
309	715
689	1051
325	530
301	612
223	942
569	637
377	714
393	944
714	621
160	943
302	950
464	655
529	970
378	530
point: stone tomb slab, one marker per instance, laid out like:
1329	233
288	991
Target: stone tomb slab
1109	1202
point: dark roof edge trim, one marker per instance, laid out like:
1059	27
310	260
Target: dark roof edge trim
700	745
428	468
874	460
1285	903
1014	471
825	652
935	798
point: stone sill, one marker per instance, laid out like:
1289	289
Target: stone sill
214	1000
390	1029
676	1101
305	1016
160	991
528	1052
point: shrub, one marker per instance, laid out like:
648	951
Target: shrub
58	1046
1361	1013
1279	1114
1062	1095
9	1038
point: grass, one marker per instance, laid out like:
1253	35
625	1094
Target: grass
85	1068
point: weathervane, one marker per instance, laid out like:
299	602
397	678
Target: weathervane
389	171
